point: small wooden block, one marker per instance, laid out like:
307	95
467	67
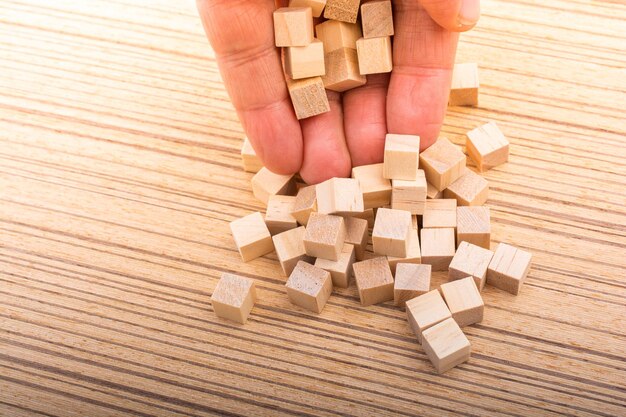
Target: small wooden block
265	183
464	301
413	255
308	97
317	6
432	192
508	268
373	280
375	188
305	204
356	235
278	216
464	87
440	213
342	10
251	236
469	190
410	195
425	311
470	260
233	298
339	196
249	159
305	61
374	55
325	235
377	19
342	70
473	225
367	215
290	249
487	146
443	163
437	247
341	269
446	346
391	232
411	280
309	287
336	35
293	26
401	160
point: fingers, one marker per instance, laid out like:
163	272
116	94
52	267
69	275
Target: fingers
454	15
241	33
423	58
325	152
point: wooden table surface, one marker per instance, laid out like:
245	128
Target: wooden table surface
119	174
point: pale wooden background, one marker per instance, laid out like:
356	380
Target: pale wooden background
119	173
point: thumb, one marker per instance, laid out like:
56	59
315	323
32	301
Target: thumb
454	15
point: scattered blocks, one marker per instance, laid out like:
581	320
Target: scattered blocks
341	269
278	216
470	260
251	236
305	61
249	159
469	190
432	192
340	196
374	55
487	146
401	160
305	204
411	280
464	87
446	346
437	247
325	235
290	249
391	232
425	311
377	19
374	281
308	97
293	26
440	213
409	195
336	35
508	268
317	6
443	163
464	301
413	255
265	183
233	298
375	188
309	287
356	235
473	225
342	10
342	70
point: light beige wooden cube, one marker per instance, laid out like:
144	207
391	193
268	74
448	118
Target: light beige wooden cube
411	280
356	235
308	97
465	85
425	311
305	204
293	26
409	195
437	247
508	268
305	61
309	287
413	255
375	188
440	213
473	225
374	55
339	196
432	192
391	232
373	280
233	298
470	189
317	6
470	260
443	163
464	301
265	183
342	70
377	19
325	236
290	249
487	146
341	269
401	159
342	10
336	35
251	236
278	216
446	346
249	159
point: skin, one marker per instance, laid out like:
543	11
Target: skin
410	100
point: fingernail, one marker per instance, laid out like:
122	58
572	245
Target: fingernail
469	13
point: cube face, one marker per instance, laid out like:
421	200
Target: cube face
377	19
487	146
309	287
374	55
293	26
339	196
446	346
342	10
317	6
464	87
375	188
305	204
437	247
432	192
336	35
443	163
234	297
249	159
508	268
305	61
464	301
290	249
401	161
265	183
470	260
473	225
278	216
341	269
425	311
356	235
342	70
373	280
410	195
391	232
251	236
413	255
308	97
325	235
469	190
411	280
440	213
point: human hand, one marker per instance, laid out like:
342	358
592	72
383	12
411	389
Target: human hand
410	100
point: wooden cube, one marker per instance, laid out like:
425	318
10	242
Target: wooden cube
336	35
342	70
265	183
464	301
413	255
233	297
308	97
251	236
401	160
249	159
508	268
473	225
305	204
409	195
432	192
305	61
470	189
339	196
411	280
443	163
391	232
290	249
487	146
437	247
356	235
373	280
440	213
446	346
425	311
377	19
309	287
375	188
341	269
325	235
464	87
278	216
293	26
470	260
374	55
367	215
342	10
317	6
